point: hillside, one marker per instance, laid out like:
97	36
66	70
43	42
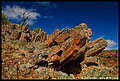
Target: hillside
65	54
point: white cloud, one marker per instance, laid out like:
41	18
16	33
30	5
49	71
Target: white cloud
16	12
13	12
111	45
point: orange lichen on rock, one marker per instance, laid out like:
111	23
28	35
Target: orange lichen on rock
53	34
56	49
48	42
54	58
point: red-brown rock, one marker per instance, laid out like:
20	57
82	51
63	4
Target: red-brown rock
73	43
53	34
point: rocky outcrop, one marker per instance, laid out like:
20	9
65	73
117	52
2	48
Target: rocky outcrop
15	35
73	44
28	52
14	32
41	36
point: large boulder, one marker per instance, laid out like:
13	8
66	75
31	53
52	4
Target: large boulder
73	44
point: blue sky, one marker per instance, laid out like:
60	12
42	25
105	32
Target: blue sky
101	17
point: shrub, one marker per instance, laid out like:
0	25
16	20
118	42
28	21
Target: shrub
4	19
36	30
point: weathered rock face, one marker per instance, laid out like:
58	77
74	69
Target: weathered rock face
41	36
10	31
53	34
23	35
96	46
14	32
72	44
15	35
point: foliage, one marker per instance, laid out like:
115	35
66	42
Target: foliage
36	30
4	19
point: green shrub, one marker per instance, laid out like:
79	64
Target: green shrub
36	30
4	19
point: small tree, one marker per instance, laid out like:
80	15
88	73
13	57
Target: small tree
25	17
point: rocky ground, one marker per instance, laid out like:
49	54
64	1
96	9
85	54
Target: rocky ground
65	54
107	68
21	63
